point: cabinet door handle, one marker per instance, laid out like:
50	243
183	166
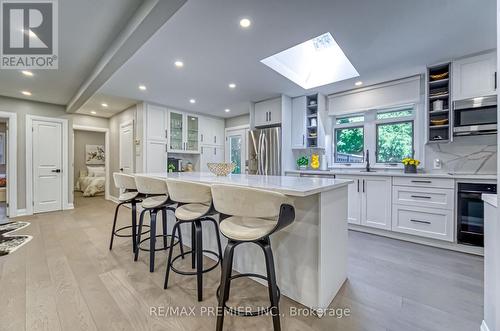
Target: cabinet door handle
420	221
363	186
304	142
422	181
201	151
166	134
358	185
202	137
495	80
269	116
215	139
420	196
215	151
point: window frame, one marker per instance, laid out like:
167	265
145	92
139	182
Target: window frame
356	125
370	125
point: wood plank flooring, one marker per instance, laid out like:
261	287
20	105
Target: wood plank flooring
67	279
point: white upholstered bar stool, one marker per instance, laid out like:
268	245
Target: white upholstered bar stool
194	206
250	215
156	200
128	194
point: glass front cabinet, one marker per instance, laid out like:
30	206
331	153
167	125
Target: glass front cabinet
183	132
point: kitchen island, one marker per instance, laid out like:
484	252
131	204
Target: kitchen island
311	254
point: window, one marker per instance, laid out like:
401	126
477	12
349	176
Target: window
349	140
387	134
2	147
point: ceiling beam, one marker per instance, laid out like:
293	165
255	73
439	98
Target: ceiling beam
148	18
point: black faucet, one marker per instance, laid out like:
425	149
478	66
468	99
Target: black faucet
367	161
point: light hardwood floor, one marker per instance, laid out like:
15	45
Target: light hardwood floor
67	279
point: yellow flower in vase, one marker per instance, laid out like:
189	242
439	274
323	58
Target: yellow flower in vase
315	161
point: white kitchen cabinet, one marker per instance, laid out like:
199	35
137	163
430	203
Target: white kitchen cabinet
376	202
183	132
156	156
211	131
299	122
210	154
268	112
426	222
156	123
369	202
474	76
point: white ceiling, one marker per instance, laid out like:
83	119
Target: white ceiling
86	30
384	39
115	105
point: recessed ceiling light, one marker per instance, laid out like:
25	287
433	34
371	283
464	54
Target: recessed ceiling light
179	64
232	85
105	105
227	110
28	93
245	23
142	87
315	62
358	83
192	100
93	112
27	73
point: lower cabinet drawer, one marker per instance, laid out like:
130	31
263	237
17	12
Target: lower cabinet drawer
423	197
424	222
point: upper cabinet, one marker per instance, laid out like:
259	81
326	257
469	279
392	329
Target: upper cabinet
156	123
268	112
211	131
474	76
299	122
183	132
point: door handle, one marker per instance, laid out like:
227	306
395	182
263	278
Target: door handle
304	142
363	186
269	116
420	196
56	170
121	169
422	181
495	80
358	185
166	134
215	139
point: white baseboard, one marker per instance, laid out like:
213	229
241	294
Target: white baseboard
22	212
69	206
484	327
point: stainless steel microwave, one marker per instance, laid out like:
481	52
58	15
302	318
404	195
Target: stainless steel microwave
475	116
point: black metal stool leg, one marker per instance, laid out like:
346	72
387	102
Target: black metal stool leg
114	226
134	225
199	258
181	245
139	233
164	223
169	259
193	246
271	281
152	242
225	282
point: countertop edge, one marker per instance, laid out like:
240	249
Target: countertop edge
393	174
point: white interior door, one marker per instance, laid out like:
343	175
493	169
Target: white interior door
127	147
47	166
236	149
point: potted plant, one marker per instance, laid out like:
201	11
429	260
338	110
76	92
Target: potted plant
302	163
171	168
410	165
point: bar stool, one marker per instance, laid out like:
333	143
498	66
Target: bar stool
128	194
250	215
194	207
156	199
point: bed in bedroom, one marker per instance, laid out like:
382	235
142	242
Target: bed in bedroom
91	181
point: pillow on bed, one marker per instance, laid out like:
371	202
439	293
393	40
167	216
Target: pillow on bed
96	171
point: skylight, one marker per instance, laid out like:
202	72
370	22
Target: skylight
316	62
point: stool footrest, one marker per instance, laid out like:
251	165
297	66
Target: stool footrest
237	312
194	273
161	248
117	231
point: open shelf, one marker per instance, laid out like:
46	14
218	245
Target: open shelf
438	106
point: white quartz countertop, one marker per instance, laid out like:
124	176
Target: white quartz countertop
289	185
394	173
491	199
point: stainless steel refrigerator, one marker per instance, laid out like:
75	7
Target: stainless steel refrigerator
264	151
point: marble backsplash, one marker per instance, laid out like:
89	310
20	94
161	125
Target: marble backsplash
475	154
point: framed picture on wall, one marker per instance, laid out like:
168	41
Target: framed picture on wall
94	154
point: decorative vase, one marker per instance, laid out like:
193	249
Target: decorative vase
410	169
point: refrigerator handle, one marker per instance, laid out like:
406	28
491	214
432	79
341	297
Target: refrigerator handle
262	152
265	152
259	155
